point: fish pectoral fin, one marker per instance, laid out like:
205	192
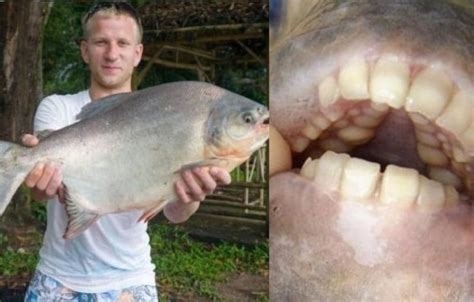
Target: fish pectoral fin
150	213
219	162
44	133
79	219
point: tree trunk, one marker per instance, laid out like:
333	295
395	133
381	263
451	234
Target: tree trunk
21	33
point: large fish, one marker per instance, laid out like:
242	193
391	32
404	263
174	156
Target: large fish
126	150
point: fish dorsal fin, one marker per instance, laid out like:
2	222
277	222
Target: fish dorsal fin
78	218
102	105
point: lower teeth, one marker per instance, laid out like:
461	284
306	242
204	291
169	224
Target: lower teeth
361	181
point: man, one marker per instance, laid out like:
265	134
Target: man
111	260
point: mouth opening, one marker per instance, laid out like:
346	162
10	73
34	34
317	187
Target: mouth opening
386	122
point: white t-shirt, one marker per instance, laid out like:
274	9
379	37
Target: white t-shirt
114	252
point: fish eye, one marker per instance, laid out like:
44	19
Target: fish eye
247	118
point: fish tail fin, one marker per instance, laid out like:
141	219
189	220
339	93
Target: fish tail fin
79	218
12	172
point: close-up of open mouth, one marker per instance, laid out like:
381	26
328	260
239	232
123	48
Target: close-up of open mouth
372	151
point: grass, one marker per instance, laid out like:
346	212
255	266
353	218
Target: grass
17	261
184	264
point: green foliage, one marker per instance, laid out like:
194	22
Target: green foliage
63	69
3	239
184	264
157	75
17	262
38	210
251	83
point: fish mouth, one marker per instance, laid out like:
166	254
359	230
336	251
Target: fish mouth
371	165
389	112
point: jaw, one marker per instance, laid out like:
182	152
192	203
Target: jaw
327	248
392	218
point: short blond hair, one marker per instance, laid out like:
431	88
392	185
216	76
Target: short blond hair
111	9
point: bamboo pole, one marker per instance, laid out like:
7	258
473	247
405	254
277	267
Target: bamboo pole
208	27
175	65
251	52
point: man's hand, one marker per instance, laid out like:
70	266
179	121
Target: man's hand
45	180
196	183
191	188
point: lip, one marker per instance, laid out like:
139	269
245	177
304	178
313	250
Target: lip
111	68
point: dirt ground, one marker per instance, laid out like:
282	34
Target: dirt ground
239	287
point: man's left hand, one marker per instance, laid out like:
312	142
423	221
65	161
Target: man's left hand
191	188
196	183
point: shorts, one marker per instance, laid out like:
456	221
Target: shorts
43	288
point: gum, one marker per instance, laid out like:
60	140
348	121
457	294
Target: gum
332	249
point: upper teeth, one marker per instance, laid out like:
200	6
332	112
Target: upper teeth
347	118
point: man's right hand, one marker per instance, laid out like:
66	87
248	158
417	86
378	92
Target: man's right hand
45	180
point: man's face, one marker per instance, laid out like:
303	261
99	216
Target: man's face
112	51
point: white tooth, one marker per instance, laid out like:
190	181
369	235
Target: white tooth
432	156
341	124
399	186
427	139
467	137
366	121
422	123
334	144
355	135
431	196
459	155
458	167
379	107
457	117
311	132
299	144
334	114
444	176
429	93
280	154
353	80
360	179
308	169
452	196
329	170
321	122
328	91
389	81
419	119
447	149
441	137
